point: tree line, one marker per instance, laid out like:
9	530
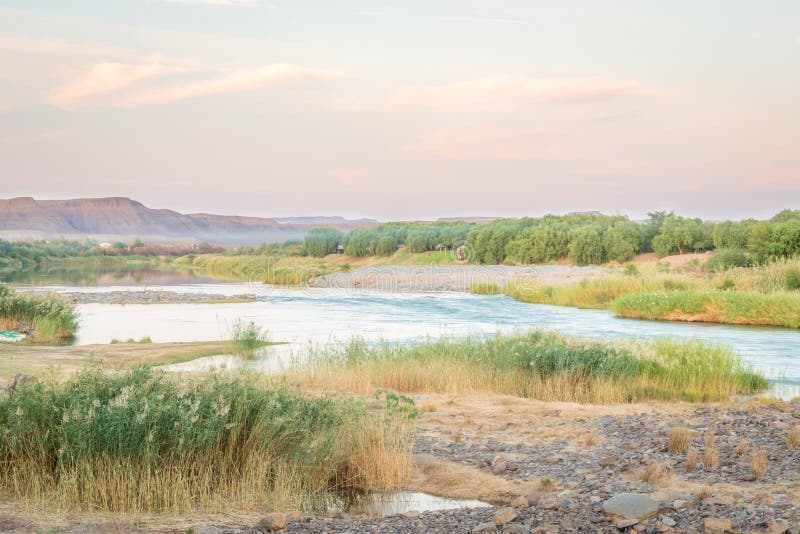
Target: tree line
585	239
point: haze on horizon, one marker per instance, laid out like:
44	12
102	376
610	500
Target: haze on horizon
404	109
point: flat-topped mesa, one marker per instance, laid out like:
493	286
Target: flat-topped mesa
124	218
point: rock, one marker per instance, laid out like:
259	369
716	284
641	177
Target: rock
631	506
294	516
499	468
625	523
679	504
550	504
273	522
206	529
506	515
608	461
716	525
411	514
516	529
553	460
777	527
669	521
520	502
485	527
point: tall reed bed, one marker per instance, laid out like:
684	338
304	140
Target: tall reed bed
141	441
713	306
279	270
597	293
50	318
539	365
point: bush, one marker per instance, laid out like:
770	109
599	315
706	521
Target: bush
725	259
322	241
386	246
793	279
631	270
727	284
248	337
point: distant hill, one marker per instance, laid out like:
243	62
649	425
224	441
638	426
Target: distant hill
119	217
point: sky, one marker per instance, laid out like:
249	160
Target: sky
404	109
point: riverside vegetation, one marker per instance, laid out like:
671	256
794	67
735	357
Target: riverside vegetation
540	365
765	294
48	318
142	441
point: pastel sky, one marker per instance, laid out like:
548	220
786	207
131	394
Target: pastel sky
404	109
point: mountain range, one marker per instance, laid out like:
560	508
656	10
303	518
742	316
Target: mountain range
123	218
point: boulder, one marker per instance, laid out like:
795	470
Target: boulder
506	515
631	506
273	522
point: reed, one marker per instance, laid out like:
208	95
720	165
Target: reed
49	318
714	306
539	365
141	441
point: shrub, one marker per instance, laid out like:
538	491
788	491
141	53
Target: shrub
386	246
724	259
631	270
727	284
248	337
793	279
322	241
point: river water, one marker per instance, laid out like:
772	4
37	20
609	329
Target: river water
316	316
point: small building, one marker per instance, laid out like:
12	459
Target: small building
340	249
440	247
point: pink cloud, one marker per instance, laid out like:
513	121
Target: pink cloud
511	89
101	79
237	81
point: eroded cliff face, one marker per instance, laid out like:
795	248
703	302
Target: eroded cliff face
126	217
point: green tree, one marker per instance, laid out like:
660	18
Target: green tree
386	245
677	235
586	247
320	242
730	234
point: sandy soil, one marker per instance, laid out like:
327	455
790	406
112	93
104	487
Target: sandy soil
36	359
453	277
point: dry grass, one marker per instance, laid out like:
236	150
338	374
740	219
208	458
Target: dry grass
793	438
678	440
759	463
654	473
691	461
142	442
742	448
704	493
540	365
590	437
710	452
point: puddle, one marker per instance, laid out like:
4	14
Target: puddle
380	504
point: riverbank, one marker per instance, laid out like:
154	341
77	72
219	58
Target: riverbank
557	465
63	361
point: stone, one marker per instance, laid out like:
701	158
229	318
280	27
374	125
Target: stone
294	516
516	529
520	502
506	515
499	468
553	460
716	525
777	527
411	514
206	529
273	522
669	521
485	527
625	523
608	461
631	506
